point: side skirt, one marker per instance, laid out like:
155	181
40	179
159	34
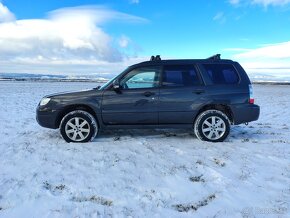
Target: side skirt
167	126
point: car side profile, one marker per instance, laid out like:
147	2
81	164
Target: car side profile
206	95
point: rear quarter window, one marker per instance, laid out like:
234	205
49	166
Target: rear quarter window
222	73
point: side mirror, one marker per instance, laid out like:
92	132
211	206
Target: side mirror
116	85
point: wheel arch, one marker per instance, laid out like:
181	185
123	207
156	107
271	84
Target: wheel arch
74	107
220	107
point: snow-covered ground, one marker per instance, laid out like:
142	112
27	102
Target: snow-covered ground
144	173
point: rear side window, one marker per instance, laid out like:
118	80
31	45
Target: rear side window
222	73
180	75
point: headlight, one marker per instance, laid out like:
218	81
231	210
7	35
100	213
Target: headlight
44	101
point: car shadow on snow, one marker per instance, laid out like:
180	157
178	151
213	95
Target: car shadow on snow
242	133
251	133
117	135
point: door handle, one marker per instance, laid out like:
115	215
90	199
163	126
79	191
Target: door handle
198	91
148	94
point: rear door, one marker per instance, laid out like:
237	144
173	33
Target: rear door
181	92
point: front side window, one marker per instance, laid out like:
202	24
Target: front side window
222	73
146	77
180	75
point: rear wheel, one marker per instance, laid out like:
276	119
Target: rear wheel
78	126
212	126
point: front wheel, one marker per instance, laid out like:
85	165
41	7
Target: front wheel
212	126
78	126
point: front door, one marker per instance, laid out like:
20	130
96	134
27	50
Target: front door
181	94
137	100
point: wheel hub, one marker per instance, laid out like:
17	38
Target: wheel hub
77	129
213	128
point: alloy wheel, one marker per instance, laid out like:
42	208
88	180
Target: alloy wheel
213	128
77	129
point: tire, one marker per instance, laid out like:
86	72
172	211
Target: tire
78	126
212	126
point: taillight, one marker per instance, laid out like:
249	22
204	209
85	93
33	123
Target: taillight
251	99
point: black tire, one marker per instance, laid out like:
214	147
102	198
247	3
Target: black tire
212	126
78	126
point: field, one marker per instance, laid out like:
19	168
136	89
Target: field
142	173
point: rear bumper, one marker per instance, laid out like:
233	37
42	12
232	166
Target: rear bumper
47	118
245	113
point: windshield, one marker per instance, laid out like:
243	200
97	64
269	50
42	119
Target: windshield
109	82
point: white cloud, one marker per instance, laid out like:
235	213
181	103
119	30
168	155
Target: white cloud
135	1
273	59
264	3
124	41
5	14
237	49
234	2
67	38
67	66
275	51
220	17
271	2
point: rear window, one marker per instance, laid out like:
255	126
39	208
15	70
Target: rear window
180	75
222	73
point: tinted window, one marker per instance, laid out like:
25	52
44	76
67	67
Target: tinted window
141	78
180	76
222	73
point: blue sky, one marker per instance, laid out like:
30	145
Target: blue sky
118	33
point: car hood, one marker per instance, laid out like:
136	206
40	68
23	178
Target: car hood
74	94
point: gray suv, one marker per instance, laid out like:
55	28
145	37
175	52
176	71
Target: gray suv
206	95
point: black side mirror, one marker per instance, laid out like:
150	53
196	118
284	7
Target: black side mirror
116	85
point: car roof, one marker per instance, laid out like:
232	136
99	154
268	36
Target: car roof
181	62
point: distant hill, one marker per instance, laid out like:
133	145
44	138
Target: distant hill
255	78
270	78
51	77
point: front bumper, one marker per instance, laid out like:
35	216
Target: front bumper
46	117
245	113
